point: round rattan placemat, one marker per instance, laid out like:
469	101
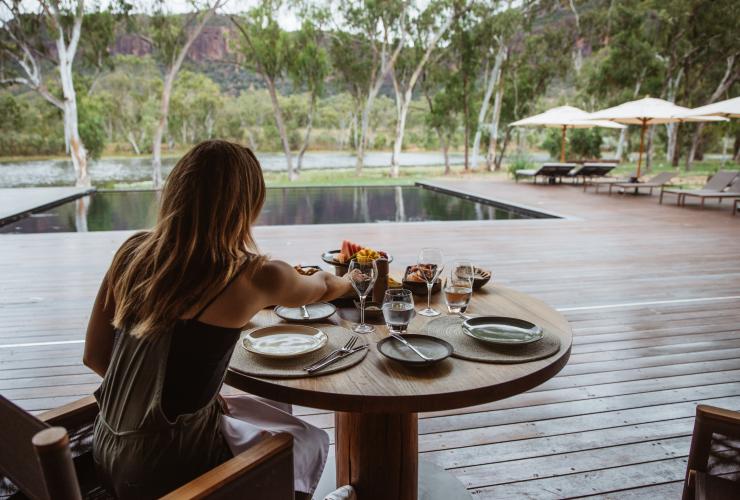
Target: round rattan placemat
449	328
255	365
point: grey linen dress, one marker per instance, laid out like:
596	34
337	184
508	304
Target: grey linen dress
141	453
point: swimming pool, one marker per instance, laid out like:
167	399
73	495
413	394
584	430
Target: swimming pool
123	210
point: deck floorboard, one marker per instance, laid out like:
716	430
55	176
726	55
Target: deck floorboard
652	292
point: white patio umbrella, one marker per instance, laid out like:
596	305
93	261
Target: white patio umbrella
649	111
563	117
729	109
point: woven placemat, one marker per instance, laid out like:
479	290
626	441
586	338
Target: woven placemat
260	366
449	328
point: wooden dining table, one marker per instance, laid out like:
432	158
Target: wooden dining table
377	401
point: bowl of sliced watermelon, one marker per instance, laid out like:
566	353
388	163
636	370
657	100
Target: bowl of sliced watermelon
340	258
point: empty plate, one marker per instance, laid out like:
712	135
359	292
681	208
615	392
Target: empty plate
284	341
501	330
316	312
432	347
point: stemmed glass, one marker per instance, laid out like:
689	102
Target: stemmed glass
430	266
459	286
398	309
362	275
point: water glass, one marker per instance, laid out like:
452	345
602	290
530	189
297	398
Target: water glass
398	309
362	275
459	286
431	265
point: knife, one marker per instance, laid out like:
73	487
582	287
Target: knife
304	312
410	346
335	359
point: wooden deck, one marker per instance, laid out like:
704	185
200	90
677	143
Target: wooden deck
652	292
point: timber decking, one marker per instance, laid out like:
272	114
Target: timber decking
652	292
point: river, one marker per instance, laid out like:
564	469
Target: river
124	170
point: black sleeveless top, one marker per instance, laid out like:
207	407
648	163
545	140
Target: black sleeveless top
198	357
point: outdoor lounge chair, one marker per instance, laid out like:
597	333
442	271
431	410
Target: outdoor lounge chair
591	170
552	171
733	192
712	189
713	449
657	181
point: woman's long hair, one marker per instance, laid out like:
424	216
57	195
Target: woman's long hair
202	236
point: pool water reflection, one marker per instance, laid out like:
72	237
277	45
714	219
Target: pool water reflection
125	210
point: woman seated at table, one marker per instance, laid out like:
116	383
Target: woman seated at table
165	323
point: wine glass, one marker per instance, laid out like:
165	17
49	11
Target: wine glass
459	286
362	275
398	309
430	267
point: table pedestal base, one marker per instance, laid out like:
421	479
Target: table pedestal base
377	453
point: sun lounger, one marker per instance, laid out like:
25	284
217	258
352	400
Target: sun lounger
733	192
591	170
712	189
658	181
597	182
552	171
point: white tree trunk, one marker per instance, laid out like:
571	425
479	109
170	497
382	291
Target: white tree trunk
672	128
132	140
494	126
493	80
404	94
169	80
282	130
307	136
164	110
728	79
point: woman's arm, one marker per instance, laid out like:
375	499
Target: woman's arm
283	286
100	331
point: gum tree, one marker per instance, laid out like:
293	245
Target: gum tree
171	37
23	55
264	49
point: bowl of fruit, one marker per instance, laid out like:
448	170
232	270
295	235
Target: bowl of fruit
413	279
340	259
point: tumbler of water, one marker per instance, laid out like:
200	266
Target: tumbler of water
398	309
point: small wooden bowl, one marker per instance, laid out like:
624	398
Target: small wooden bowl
373	310
419	287
340	268
482	276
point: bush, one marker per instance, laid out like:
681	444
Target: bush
520	162
585	143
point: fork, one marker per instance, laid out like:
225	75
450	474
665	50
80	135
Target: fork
345	349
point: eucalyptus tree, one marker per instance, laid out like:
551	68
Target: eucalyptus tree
309	66
264	48
427	29
441	89
25	28
382	26
171	37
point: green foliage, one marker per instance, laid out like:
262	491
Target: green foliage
552	142
520	162
585	143
91	112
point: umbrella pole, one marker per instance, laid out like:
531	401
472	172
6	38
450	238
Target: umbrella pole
642	147
562	146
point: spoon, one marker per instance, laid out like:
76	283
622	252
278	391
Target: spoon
304	312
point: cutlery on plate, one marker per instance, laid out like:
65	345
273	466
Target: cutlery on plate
304	312
346	348
410	346
336	358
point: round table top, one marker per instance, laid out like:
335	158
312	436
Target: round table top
381	385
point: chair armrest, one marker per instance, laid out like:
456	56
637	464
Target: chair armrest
723	421
74	414
232	479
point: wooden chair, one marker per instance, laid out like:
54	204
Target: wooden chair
36	455
713	425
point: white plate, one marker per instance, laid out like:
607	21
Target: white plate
284	341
